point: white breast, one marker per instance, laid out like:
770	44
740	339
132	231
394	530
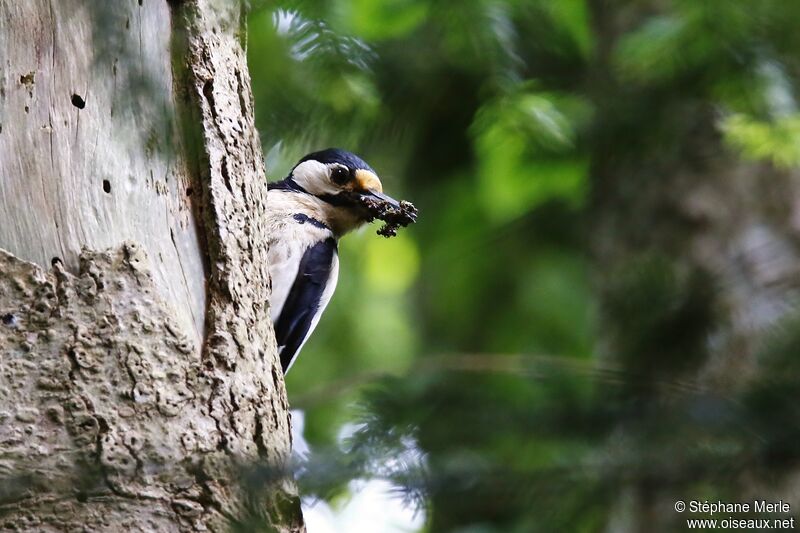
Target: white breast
289	240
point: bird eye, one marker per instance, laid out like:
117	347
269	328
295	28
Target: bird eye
340	175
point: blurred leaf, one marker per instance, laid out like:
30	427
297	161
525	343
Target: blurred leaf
314	40
525	144
692	36
387	19
777	141
658	50
573	16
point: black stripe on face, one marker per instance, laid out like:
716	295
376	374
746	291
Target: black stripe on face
343	199
286	184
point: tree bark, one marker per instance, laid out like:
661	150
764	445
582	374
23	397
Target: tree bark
138	367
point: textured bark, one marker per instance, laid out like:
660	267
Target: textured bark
57	158
136	382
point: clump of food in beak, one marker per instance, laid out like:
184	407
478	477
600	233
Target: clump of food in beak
378	206
395	214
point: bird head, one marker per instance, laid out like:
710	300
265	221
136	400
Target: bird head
349	184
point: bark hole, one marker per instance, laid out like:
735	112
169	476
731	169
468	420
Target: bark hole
78	102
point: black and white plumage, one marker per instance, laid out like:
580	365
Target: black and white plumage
308	212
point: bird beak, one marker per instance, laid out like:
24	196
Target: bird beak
370	189
374	205
371	194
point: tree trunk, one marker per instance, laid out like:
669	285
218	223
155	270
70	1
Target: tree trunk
138	367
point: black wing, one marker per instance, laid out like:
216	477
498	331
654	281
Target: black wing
302	303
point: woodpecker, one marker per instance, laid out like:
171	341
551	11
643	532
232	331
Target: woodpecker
326	195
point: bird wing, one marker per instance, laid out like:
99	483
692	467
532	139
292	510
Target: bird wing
312	289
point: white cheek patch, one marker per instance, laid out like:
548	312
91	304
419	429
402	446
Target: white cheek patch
313	177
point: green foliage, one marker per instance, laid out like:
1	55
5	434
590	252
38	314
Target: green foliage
778	141
522	398
379	21
526	149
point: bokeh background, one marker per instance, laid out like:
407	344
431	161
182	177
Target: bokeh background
595	315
